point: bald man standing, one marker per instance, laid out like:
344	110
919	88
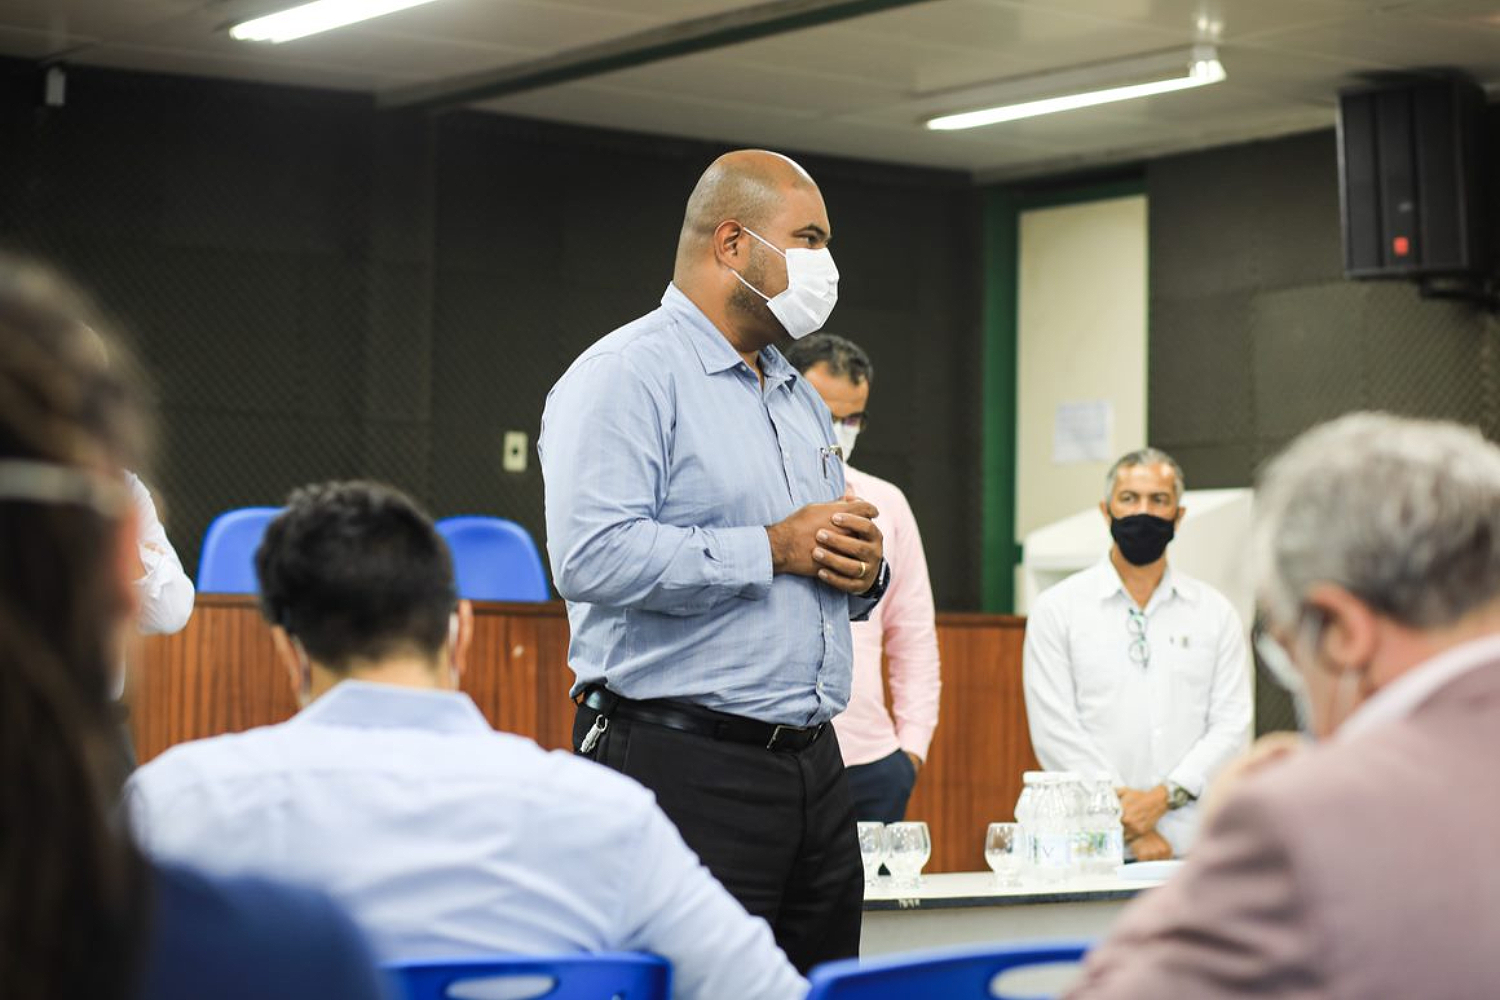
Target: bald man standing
699	528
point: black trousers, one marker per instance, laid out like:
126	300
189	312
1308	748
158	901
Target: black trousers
881	788
776	828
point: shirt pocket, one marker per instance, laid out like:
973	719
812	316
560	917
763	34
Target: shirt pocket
1185	657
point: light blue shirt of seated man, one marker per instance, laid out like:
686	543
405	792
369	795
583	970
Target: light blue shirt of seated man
441	836
444	837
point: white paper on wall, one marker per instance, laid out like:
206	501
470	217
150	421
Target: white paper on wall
1083	431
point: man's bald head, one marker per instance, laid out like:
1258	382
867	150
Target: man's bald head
748	210
747	186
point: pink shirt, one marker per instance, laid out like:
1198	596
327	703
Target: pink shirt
902	627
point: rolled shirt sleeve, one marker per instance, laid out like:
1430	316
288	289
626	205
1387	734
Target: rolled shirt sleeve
1229	710
909	633
165	593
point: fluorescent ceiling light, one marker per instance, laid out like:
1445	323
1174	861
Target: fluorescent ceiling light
1204	69
311	18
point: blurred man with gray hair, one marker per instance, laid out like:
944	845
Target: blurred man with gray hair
1135	670
1362	866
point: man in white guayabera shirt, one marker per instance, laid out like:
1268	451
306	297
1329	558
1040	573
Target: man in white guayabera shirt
1137	671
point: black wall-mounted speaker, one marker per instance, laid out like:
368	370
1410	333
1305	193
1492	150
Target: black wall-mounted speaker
1409	178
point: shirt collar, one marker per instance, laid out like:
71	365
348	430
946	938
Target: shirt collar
367	705
1406	693
715	352
1171	584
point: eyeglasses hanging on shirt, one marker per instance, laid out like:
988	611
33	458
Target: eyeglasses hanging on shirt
1139	649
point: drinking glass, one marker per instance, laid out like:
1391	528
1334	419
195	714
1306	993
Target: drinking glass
909	846
872	849
1002	852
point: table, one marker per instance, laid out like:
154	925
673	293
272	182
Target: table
955	908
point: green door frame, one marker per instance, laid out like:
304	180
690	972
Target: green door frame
1000	549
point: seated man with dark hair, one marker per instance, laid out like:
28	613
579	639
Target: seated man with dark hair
390	790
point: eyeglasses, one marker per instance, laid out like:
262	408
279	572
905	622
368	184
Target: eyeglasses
1139	649
857	422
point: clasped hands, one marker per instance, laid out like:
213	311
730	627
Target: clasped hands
836	542
1140	811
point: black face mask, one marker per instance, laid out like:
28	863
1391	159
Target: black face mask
1142	538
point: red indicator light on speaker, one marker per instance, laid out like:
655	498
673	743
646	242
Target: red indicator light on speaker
1401	246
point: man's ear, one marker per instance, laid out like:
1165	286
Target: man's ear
293	659
462	637
1104	509
1177	521
1350	631
729	243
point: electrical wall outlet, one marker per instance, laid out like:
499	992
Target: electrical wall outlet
514	457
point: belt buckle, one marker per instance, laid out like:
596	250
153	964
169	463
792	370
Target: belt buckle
776	734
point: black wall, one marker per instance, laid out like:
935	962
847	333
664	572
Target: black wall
1256	336
321	290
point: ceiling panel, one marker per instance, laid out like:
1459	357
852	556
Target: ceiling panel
860	87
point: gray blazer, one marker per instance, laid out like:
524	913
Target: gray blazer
1369	867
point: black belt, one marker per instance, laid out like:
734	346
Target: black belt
704	722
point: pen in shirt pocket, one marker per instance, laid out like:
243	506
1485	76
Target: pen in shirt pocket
827	452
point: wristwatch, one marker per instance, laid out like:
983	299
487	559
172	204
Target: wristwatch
1177	796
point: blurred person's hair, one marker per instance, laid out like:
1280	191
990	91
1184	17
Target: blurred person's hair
1404	514
356	572
72	886
844	358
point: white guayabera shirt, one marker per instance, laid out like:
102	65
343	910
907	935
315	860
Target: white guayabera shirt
166	593
1180	717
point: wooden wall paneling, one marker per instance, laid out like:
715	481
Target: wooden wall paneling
542	640
973	772
219	675
486	667
518	670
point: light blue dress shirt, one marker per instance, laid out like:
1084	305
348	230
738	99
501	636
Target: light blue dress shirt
443	837
665	459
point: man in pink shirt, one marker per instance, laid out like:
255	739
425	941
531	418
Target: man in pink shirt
882	755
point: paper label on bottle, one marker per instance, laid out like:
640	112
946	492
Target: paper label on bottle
1051	850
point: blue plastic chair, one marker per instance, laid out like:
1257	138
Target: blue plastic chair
604	976
494	559
227	563
958	974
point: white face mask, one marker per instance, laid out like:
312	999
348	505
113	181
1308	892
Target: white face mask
845	436
812	289
1285	673
1344	698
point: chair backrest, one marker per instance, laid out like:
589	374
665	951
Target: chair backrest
958	974
227	562
494	559
605	976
